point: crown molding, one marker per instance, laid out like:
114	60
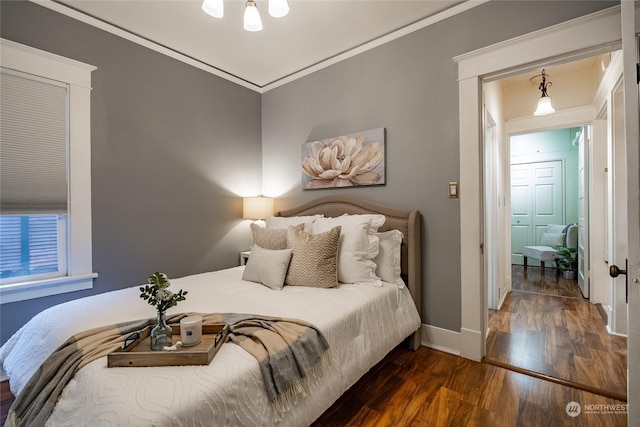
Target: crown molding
150	44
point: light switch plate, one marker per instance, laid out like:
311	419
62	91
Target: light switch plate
453	190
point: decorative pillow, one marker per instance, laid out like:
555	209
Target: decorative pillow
270	238
388	259
266	266
286	221
358	246
314	258
552	239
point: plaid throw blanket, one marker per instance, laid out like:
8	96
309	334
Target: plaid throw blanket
290	352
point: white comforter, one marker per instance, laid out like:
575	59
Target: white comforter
361	323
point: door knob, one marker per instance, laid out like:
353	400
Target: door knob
614	271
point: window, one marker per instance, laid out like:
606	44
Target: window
32	245
45	179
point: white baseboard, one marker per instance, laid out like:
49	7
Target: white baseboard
471	344
504	296
441	339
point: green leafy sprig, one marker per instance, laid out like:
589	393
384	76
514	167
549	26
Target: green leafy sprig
157	292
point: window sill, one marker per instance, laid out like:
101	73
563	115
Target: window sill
41	288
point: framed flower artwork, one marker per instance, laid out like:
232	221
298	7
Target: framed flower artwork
352	160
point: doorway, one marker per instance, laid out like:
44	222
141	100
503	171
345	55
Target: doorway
546	326
562	41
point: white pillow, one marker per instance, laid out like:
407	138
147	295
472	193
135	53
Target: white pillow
358	246
388	259
267	266
286	221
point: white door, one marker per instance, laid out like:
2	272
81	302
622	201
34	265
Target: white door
537	200
521	221
583	213
632	136
618	242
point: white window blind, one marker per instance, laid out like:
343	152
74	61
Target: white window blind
33	144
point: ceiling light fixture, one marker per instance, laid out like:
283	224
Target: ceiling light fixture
214	8
544	103
252	21
278	8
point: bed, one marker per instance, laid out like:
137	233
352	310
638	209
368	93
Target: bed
361	323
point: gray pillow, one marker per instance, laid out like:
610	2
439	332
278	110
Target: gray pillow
314	258
267	266
271	238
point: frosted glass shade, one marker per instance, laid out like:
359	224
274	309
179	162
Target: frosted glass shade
214	8
257	207
278	8
252	21
544	107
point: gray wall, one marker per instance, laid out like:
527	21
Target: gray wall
409	86
172	149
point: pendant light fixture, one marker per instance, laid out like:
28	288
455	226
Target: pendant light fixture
252	21
214	8
278	8
544	103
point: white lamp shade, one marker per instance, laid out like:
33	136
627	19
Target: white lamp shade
214	8
278	8
544	107
257	207
252	21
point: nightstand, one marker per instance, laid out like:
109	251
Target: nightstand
244	256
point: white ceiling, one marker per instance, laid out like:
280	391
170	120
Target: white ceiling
314	31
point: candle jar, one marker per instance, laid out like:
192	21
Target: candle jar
191	331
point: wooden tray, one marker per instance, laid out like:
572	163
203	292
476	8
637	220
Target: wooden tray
139	352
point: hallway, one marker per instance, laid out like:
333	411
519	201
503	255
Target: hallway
546	326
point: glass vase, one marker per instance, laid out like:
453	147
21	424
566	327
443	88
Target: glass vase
161	333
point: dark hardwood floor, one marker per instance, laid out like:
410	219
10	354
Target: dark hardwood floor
6	399
546	326
432	388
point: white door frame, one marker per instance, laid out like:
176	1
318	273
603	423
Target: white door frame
578	38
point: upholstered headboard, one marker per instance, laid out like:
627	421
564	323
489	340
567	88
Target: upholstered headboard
407	221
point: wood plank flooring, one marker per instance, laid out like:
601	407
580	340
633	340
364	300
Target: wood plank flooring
546	326
6	399
432	388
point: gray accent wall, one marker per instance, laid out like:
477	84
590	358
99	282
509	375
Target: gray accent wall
409	86
172	150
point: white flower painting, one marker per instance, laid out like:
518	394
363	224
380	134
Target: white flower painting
345	161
